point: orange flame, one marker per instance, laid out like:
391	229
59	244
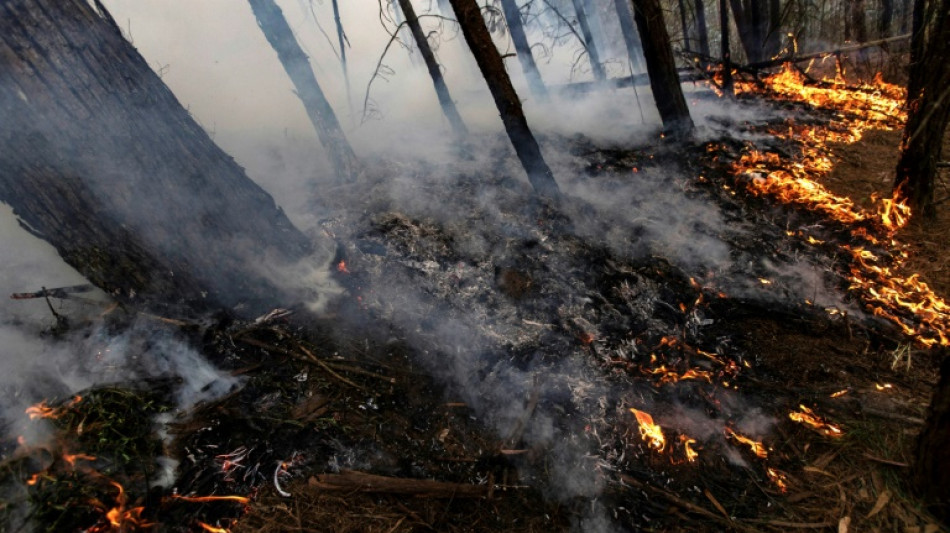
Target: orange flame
211	528
815	422
691	454
341	267
778	479
206	499
43	410
757	447
649	432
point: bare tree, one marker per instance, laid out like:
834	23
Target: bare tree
523	49
278	33
630	36
98	158
664	80
435	71
506	99
701	30
592	52
725	52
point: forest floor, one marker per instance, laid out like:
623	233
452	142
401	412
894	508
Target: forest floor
338	428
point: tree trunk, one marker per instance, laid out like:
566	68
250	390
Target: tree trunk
886	19
928	114
858	29
523	49
341	38
664	80
98	158
749	21
933	448
905	15
278	33
592	53
435	72
630	36
506	99
684	24
727	85
772	44
701	30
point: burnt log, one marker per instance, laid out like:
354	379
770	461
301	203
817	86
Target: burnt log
99	158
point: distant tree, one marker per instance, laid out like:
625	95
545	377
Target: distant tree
523	48
435	71
661	67
701	30
589	42
724	50
631	38
928	109
492	67
278	33
886	19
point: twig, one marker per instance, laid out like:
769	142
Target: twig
329	370
676	500
886	461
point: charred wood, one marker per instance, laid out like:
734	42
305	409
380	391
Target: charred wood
355	481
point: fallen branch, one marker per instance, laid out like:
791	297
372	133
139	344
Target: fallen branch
584	87
816	55
688	506
355	481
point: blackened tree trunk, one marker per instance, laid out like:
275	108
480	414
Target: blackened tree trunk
928	114
727	86
661	67
631	38
523	49
592	53
506	99
750	23
278	33
773	36
98	158
933	447
435	72
702	32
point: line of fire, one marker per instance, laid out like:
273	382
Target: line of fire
694	278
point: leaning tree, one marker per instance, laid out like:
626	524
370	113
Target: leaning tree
99	158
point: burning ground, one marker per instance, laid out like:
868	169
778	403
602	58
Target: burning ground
698	340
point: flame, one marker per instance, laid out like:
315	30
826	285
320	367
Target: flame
206	499
649	432
808	417
72	458
211	528
121	518
883	386
691	454
839	394
34	479
341	267
43	410
671	376
778	479
757	447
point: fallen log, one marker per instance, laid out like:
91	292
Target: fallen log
583	87
355	481
793	58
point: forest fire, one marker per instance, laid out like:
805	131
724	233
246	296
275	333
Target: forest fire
651	433
808	417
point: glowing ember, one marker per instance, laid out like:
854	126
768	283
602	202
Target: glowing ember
341	267
757	447
883	387
839	394
649	432
808	417
34	479
72	458
206	499
778	479
43	410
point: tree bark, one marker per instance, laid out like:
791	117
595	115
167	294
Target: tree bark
727	86
435	72
506	99
278	33
592	53
928	114
664	80
749	22
98	158
933	448
701	29
630	36
523	49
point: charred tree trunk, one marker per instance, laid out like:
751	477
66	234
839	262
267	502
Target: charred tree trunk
928	114
278	33
523	49
664	80
772	44
933	448
506	99
630	36
752	25
702	31
592	53
98	158
727	86
435	72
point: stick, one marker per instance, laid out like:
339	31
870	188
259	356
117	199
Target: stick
676	500
352	480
